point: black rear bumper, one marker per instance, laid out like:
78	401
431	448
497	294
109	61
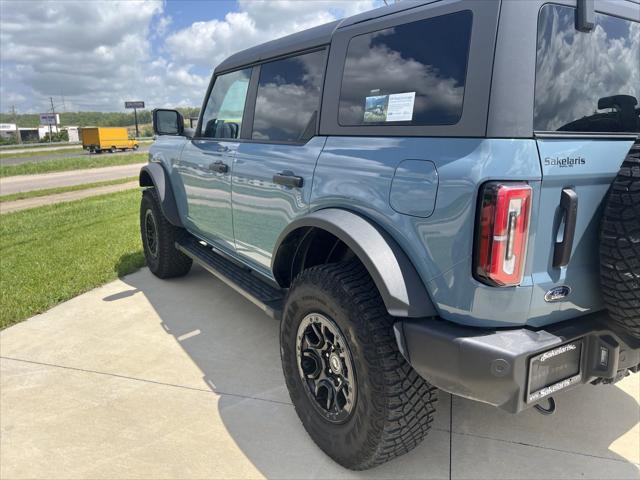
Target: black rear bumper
492	366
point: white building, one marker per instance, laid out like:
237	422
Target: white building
73	133
7	129
43	130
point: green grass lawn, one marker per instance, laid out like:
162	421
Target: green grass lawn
72	163
51	254
39	153
52	191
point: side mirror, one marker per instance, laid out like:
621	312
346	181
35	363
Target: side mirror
167	122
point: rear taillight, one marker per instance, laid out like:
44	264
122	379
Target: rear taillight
501	243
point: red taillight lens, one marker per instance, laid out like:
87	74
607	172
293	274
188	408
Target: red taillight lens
501	246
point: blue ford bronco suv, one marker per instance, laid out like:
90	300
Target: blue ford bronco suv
432	195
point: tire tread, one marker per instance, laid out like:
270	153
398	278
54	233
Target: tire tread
620	246
405	403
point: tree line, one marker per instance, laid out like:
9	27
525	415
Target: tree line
91	119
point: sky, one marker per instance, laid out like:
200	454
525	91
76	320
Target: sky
92	55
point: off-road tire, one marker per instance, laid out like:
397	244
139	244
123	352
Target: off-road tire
167	261
620	246
394	406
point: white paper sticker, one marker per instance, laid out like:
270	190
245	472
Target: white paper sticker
400	107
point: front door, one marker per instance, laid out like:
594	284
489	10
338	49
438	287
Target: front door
206	162
272	173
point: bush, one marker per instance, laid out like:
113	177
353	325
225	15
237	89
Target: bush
62	136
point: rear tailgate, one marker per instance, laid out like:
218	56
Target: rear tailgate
586	119
586	167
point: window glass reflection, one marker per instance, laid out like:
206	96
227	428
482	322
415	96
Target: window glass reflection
288	98
411	74
222	117
587	82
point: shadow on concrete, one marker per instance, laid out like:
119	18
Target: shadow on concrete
236	348
129	262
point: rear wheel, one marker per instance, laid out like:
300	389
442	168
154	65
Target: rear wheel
112	150
159	238
620	246
354	392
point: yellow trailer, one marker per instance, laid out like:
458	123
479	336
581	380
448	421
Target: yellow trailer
99	139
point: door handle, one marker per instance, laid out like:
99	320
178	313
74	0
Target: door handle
219	167
569	207
288	179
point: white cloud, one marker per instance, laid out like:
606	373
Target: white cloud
574	69
100	53
207	43
93	53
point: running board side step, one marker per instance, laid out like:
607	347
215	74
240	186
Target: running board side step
257	291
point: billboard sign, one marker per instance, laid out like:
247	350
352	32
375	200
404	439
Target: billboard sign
133	104
49	119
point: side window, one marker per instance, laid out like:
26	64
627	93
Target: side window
288	98
222	117
411	74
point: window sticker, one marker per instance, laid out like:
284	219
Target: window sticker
397	107
375	108
400	107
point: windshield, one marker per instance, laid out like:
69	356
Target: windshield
586	82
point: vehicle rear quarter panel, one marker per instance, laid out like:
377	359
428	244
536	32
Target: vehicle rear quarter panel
356	173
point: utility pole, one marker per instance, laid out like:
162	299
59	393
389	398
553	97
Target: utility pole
15	120
135	114
53	110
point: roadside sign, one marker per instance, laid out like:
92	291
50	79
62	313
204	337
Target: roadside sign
133	104
49	119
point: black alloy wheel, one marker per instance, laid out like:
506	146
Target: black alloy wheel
151	233
326	368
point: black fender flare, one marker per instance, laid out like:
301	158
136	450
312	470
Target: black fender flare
397	280
154	175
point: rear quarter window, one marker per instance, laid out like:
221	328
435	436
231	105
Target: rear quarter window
410	74
586	81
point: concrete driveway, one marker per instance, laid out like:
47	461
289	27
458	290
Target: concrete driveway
145	378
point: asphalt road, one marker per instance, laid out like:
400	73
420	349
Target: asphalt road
144	378
38	147
17	160
26	183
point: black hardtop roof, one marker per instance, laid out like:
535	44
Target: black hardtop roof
307	39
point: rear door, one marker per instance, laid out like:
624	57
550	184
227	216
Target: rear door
207	160
273	170
586	118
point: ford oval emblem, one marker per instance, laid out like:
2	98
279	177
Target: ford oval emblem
557	293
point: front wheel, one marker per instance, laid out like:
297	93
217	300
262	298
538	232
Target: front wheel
159	238
354	392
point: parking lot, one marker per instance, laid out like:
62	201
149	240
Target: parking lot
144	378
